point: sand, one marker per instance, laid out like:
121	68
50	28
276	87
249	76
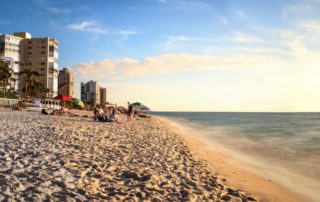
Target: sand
70	158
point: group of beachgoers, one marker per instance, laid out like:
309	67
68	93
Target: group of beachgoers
102	114
105	114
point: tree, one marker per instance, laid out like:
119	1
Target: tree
5	76
35	87
28	73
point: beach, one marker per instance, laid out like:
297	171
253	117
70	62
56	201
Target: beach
73	158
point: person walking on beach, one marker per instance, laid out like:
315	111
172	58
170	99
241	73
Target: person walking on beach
130	110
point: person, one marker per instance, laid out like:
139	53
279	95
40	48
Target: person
43	111
16	107
95	114
129	112
115	116
104	118
100	110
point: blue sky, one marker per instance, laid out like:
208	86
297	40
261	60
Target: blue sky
223	55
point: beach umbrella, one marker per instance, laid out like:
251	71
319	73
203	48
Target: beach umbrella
78	102
36	102
63	99
138	105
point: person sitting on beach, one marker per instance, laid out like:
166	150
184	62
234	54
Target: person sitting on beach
16	107
95	114
104	118
46	112
115	116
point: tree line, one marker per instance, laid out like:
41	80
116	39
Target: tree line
32	86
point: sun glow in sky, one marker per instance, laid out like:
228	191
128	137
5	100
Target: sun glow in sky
185	55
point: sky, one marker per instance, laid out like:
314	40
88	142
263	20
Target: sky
184	55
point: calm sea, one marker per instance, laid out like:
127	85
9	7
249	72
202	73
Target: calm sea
285	146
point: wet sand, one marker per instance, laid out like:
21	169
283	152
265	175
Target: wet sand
236	176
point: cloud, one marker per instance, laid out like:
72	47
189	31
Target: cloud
126	33
174	41
223	20
56	10
45	4
88	26
295	8
4	22
188	6
158	65
245	38
240	13
311	25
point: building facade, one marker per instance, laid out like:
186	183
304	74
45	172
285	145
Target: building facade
40	53
103	96
90	92
11	52
65	82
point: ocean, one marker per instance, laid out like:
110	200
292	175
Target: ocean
285	146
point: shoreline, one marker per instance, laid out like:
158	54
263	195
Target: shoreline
236	176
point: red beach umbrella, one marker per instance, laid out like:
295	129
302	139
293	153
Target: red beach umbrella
62	98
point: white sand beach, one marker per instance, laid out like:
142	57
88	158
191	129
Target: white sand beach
73	158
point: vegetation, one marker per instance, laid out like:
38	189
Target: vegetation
29	80
5	76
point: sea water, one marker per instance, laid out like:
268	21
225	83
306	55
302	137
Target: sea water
284	147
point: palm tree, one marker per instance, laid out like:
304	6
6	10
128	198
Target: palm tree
35	87
5	75
29	73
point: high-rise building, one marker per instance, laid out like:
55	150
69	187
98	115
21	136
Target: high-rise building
103	96
90	92
10	52
65	82
40	53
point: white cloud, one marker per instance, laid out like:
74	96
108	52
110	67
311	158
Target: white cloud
245	38
240	13
4	22
126	33
223	20
311	25
173	41
157	65
88	26
295	8
187	6
56	10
